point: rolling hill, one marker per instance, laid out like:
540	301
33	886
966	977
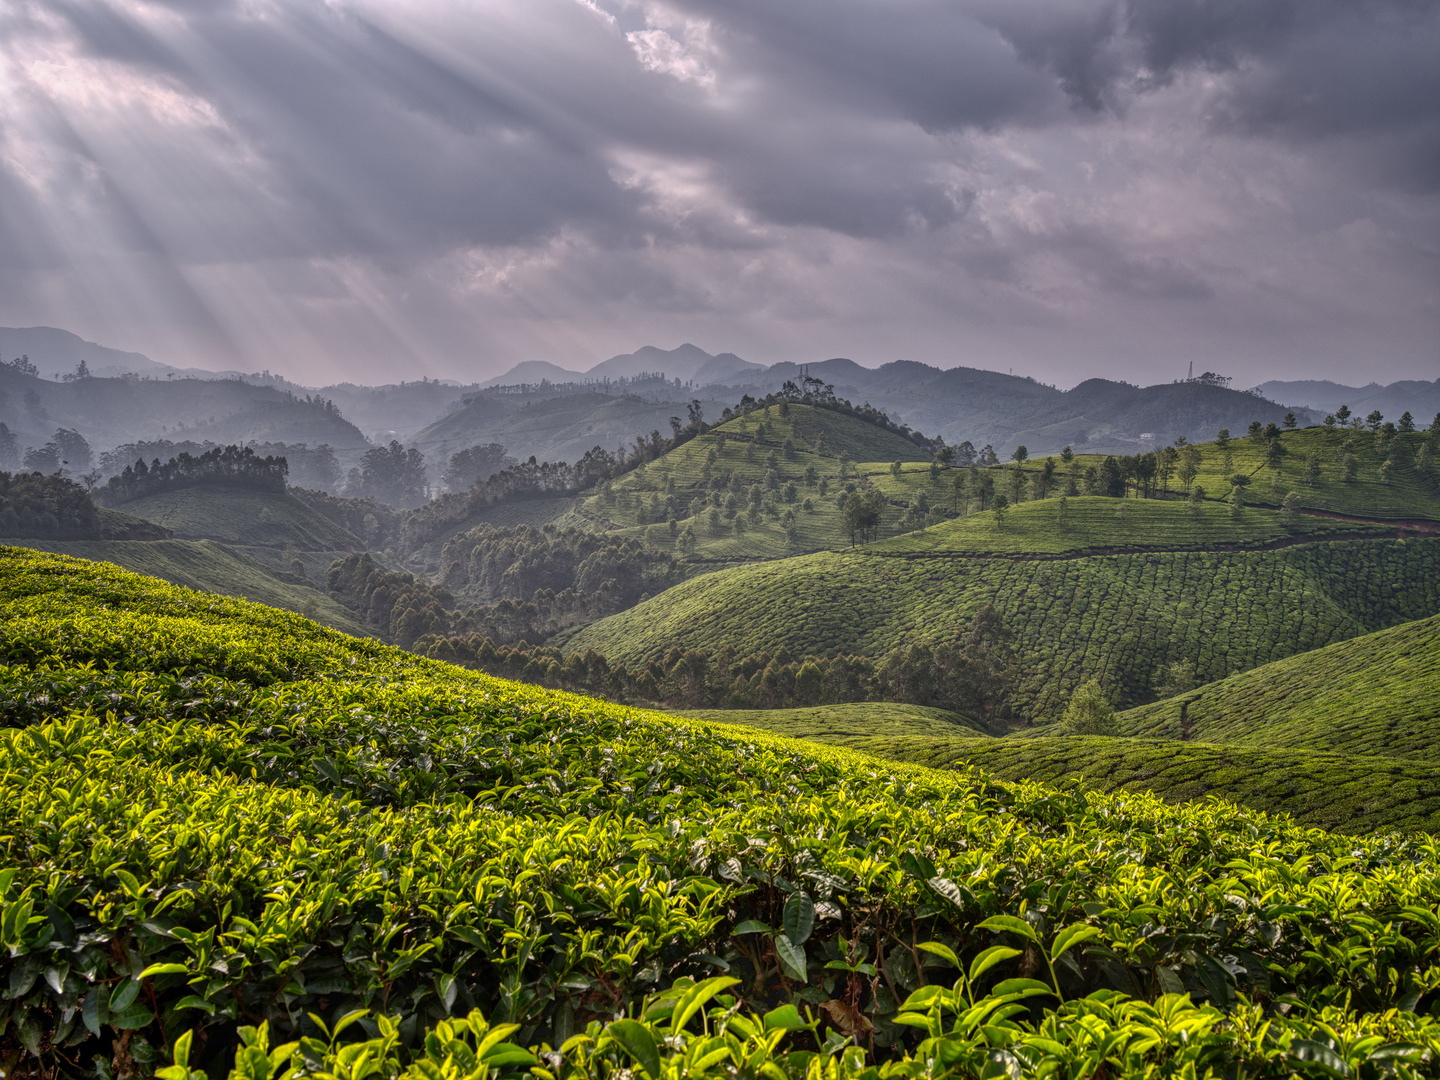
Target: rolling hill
236	515
1375	695
209	567
559	428
1120	618
420	870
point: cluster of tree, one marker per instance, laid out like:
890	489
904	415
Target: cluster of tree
22	365
9	447
610	572
475	464
390	474
404	609
34	506
66	454
230	466
971	674
376	523
309	467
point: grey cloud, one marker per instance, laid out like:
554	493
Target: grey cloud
433	176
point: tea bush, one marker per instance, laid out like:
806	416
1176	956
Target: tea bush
235	842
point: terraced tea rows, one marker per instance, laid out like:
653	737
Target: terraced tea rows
1377	694
1119	618
230	836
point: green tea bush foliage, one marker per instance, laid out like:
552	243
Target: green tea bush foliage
234	842
973	674
1344	793
1120	618
1376	694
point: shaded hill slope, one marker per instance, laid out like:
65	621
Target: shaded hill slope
235	515
210	567
837	722
1378	694
1121	618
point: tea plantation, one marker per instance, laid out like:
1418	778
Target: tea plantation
1377	694
235	843
1342	793
1119	618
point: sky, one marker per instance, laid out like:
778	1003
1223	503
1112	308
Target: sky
376	190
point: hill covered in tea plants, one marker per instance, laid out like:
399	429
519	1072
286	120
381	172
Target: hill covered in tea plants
1377	694
1121	618
235	840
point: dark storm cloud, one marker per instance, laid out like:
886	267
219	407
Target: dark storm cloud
556	171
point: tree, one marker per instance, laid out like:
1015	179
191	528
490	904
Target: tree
895	469
1062	515
1374	420
1407	422
1189	467
1067	455
1000	505
862	512
395	475
1197	499
1312	470
1290	421
1237	500
1019	456
1255	432
476	463
1290	509
1176	677
1089	712
1111	479
1342	414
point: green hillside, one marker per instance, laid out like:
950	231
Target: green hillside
1377	694
833	722
242	844
1121	618
1093	524
555	429
238	515
747	461
1403	493
210	567
1345	793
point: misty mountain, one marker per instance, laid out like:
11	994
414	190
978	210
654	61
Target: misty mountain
688	363
111	411
558	428
1098	416
1421	399
58	352
531	372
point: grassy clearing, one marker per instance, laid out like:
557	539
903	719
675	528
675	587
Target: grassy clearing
210	567
228	833
1121	618
243	516
1377	694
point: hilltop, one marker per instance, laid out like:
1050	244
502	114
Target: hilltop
392	840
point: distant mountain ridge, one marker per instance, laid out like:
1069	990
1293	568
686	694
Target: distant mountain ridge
1419	398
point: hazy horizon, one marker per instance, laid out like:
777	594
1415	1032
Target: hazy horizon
348	191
